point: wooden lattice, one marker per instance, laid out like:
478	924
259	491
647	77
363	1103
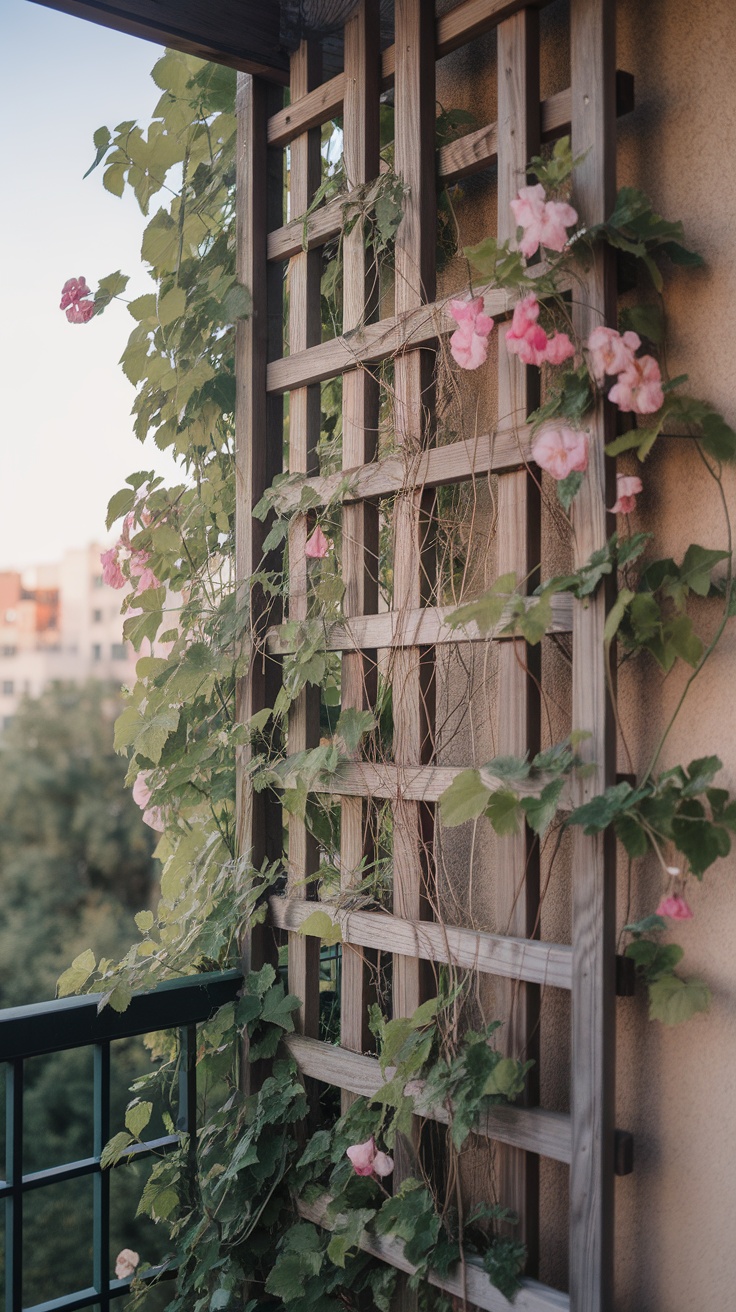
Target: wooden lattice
584	1139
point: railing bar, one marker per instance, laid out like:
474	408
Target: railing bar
90	1165
101	1181
186	1122
14	1174
82	1298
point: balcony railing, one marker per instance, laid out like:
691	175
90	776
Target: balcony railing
49	1027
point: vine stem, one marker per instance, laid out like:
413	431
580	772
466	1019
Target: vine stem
719	631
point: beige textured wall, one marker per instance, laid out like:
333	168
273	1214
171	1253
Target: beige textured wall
675	1249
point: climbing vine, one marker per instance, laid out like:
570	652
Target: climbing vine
280	1212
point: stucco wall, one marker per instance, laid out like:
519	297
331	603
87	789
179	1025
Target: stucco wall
675	1249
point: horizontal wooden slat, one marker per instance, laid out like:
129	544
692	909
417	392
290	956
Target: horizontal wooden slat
469	154
514	958
415	783
455	463
465	22
469	1282
415	628
379	341
531	1128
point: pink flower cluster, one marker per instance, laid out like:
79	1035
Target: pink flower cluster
638	386
152	815
73	294
137	561
367	1160
561	451
527	339
544	222
469	342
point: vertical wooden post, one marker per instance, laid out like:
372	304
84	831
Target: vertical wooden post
258	429
517	874
412	672
305	329
594	872
361	142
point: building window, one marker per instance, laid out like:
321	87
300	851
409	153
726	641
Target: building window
96	616
96	651
8	687
10	651
119	652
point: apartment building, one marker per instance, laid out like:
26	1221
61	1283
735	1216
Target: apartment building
59	622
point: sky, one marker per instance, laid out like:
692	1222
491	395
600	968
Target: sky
66	436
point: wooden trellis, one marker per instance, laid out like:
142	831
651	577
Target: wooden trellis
584	1139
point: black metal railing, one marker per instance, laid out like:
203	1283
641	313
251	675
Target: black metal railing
69	1023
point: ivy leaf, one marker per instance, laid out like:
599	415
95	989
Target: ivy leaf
486	611
697	567
597	814
321	925
75	976
352	726
673	1000
137	1117
465	799
646	320
115	1149
101	139
616	615
503	811
120	504
541	811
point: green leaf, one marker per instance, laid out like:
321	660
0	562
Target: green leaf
646	320
673	1000
171	306
101	140
353	725
503	811
465	799
118	505
541	811
486	611
137	1117
113	179
615	616
322	926
697	567
601	811
115	1149
568	488
75	976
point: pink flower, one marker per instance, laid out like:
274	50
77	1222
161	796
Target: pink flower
675	907
126	1263
627	490
561	451
610	353
72	291
152	815
544	221
112	574
367	1161
559	348
639	387
81	312
140	570
527	339
469	344
318	545
146	579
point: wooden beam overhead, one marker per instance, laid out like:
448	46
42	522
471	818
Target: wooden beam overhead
234	32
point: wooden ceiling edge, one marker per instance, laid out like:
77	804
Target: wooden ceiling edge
112	16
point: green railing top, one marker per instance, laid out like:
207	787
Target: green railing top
64	1023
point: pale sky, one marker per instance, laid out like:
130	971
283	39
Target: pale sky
66	438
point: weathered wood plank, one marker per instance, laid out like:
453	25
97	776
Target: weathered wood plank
471	153
305	328
531	1128
519	665
592	1080
455	463
548	964
468	1284
412	783
258	442
467	20
361	153
212	31
424	627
